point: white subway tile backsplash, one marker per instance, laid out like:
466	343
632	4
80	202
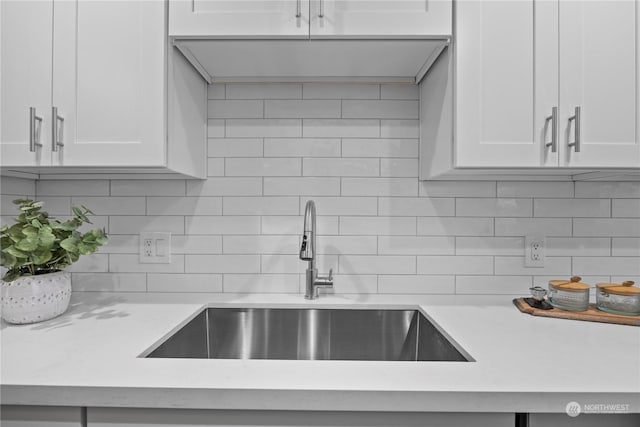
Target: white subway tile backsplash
399	168
215	167
377	225
88	187
381	264
109	282
236	186
416	245
112	205
180	282
457	189
351	245
489	245
222	264
353	148
626	208
379	187
577	208
234	147
604	227
11	186
380	147
451	264
264	91
166	187
57	206
621	266
138	224
263	167
400	128
260	206
301	186
416	284
235	109
398	91
194	244
263	128
514	265
415	206
129	263
294	109
387	109
222	225
340	91
343	206
341	167
261	283
496	285
535	189
184	205
529	226
502	207
326	225
302	147
261	244
215	128
216	91
625	246
331	128
447	226
578	246
605	190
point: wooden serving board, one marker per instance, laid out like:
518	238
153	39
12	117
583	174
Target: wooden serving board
591	315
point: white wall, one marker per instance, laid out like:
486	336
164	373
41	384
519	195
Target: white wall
354	150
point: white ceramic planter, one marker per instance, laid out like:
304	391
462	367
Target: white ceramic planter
32	299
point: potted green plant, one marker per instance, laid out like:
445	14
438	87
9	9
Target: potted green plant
35	251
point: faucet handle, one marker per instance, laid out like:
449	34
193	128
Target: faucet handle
330	274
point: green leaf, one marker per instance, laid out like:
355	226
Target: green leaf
7	260
40	257
70	244
15	252
27	245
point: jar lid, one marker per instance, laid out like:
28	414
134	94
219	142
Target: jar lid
572	284
624	288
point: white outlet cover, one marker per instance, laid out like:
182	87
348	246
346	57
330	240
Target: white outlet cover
155	247
534	251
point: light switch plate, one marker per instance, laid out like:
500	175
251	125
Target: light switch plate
155	247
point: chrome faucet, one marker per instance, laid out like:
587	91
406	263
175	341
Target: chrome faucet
308	253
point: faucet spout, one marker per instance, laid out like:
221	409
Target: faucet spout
308	253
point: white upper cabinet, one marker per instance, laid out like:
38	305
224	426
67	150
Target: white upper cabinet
309	18
108	88
228	18
388	18
506	83
25	86
97	72
539	87
599	78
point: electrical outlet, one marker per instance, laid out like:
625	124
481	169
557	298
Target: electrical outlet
534	251
155	247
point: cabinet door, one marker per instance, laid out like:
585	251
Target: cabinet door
109	83
599	74
26	40
506	83
229	18
344	18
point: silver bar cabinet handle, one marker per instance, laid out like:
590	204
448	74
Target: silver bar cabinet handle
576	119
35	125
298	12
321	14
554	130
56	120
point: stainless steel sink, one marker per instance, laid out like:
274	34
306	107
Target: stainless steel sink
310	334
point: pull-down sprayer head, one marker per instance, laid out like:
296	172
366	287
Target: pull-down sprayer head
308	247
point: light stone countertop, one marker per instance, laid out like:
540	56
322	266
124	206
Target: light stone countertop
89	357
